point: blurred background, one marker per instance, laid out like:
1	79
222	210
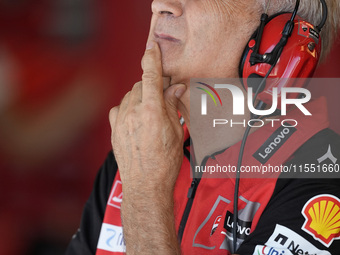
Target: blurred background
63	65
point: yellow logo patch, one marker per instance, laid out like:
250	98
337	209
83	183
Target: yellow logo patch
322	218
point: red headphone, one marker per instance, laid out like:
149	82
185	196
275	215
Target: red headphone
279	50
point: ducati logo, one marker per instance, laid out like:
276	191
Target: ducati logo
116	195
215	225
322	218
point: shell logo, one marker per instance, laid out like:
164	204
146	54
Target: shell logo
322	218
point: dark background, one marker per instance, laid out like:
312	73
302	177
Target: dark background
63	65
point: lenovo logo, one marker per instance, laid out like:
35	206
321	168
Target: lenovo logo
273	143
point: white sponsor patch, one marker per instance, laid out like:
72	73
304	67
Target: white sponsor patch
286	242
111	238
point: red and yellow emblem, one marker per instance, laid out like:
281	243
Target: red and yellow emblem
322	218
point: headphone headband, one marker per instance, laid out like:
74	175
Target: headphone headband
284	46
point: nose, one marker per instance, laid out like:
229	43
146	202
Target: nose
167	7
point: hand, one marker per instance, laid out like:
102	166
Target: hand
147	141
147	138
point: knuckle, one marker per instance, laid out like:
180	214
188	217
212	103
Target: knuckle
113	113
151	112
127	95
131	117
137	86
150	75
132	124
146	58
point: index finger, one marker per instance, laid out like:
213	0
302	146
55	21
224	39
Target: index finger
152	79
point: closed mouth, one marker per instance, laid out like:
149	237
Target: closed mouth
161	36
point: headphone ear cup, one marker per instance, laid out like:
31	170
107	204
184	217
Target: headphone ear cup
298	58
247	49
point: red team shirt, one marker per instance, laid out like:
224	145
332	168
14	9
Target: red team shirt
276	216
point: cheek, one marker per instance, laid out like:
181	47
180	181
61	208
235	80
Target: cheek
209	28
206	44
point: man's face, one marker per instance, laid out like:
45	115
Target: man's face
202	38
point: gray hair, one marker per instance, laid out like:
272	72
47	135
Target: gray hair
310	10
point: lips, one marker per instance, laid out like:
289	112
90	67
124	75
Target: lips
166	37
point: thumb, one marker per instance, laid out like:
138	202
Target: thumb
171	98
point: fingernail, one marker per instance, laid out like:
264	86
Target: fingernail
150	45
180	91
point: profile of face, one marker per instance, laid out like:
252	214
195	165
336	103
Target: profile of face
202	38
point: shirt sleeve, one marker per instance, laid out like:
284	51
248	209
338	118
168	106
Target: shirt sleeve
303	215
84	241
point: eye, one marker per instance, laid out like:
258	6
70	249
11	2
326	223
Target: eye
166	12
